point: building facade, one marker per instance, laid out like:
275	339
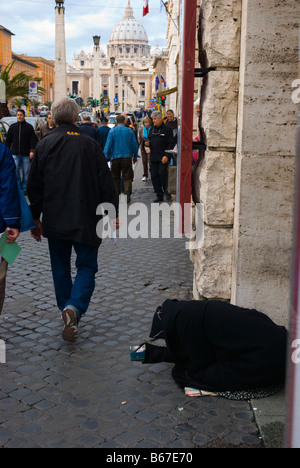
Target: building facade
45	71
5	47
33	66
173	44
125	72
7	55
21	64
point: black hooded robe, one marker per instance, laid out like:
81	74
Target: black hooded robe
217	346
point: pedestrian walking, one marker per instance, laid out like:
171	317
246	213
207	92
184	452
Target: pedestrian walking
68	179
172	122
88	128
160	142
21	139
48	127
103	131
122	149
9	209
145	152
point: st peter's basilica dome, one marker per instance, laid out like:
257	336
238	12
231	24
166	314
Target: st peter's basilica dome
128	38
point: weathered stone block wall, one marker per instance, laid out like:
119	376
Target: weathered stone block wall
263	234
220	109
220	48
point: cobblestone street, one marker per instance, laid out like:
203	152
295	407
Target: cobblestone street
89	394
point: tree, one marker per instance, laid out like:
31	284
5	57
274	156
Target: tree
17	86
18	102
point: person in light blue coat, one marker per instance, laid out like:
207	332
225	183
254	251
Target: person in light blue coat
10	213
121	149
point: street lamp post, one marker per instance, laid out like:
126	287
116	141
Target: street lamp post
120	87
112	82
96	90
60	51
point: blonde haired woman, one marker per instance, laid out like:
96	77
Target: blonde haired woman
142	138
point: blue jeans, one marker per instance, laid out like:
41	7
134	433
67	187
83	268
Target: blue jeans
76	294
22	165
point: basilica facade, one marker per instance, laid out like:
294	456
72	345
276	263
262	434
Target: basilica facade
122	78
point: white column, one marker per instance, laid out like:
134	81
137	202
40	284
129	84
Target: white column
60	54
125	93
96	90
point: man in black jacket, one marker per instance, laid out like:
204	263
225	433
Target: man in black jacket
161	140
88	128
172	122
68	179
21	139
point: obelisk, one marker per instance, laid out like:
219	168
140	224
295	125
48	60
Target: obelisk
60	52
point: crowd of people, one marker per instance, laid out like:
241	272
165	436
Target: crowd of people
154	141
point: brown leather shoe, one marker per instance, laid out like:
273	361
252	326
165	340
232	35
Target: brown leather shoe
70	331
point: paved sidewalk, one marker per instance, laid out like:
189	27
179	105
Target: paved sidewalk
89	394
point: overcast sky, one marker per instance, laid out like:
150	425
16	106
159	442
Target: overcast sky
33	23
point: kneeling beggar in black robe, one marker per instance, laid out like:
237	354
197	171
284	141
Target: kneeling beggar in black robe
217	346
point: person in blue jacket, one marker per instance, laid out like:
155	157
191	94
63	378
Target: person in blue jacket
121	149
10	212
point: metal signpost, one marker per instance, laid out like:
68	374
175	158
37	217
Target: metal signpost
33	90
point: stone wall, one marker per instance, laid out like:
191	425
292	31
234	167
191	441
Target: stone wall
247	176
219	47
266	146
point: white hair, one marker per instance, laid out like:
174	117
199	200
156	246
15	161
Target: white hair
156	114
64	111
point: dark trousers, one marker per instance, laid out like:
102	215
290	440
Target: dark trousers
3	271
145	160
159	177
75	293
122	167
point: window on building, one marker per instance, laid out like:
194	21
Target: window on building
81	63
142	88
75	87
